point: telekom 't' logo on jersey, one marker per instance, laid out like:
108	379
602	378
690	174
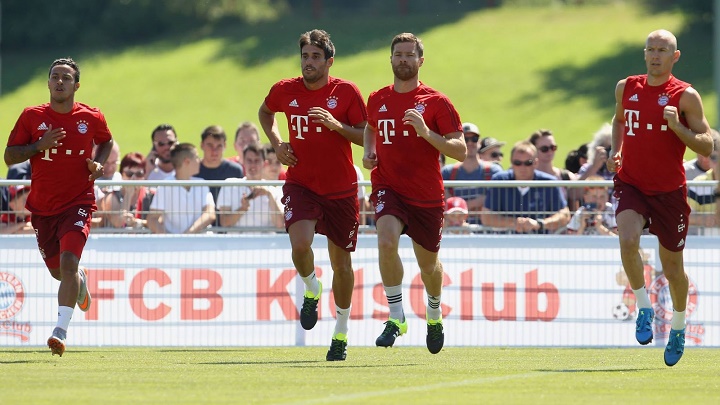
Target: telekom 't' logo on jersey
386	129
632	121
299	124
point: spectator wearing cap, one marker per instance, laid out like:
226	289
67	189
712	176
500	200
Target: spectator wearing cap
472	168
456	215
17	220
489	150
525	209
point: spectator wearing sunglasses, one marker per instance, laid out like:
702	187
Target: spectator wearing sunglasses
544	141
127	206
472	168
158	164
525	209
489	150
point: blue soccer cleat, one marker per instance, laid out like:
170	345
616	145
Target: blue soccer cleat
643	325
675	347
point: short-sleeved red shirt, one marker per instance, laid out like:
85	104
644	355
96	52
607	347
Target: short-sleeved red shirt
60	175
406	162
324	163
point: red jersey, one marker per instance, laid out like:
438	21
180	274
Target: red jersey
324	157
406	162
652	154
60	175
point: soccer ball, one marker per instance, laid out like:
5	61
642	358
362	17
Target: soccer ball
621	312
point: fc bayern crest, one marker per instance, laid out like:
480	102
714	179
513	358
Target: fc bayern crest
12	296
332	102
82	126
662	302
420	107
663	100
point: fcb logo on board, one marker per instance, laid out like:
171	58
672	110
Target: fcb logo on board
82	126
663	100
662	304
12	298
332	102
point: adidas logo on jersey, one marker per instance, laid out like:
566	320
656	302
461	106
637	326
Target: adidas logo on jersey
682	242
383	108
80	224
349	245
293	103
633	98
43	127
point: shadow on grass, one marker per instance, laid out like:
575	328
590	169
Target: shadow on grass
250	44
593	370
597	81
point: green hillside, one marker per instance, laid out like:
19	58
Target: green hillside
509	70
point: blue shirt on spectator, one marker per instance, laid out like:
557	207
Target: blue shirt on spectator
533	202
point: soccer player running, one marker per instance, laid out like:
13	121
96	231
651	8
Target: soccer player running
656	117
324	115
58	139
409	125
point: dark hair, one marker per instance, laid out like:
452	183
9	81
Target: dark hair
215	131
254	147
318	38
539	134
181	151
162	127
66	61
132	159
407	37
572	161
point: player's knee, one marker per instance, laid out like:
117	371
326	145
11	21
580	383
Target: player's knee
629	241
69	262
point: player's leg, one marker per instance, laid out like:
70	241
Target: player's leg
389	228
431	272
342	286
301	234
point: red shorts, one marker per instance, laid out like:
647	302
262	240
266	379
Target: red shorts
66	231
666	215
336	218
422	224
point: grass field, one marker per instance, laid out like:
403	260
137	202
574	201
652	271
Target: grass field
403	375
510	70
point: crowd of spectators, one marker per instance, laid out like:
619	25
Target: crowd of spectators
469	209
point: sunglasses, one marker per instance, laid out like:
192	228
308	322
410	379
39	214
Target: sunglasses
162	144
545	149
496	155
526	162
474	138
131	174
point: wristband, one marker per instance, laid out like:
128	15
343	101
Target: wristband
541	223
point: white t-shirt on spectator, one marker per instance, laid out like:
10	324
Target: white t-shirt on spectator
181	207
608	217
259	213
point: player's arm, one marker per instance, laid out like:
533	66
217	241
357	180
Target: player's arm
352	133
696	135
19	153
451	145
283	150
369	155
95	166
618	129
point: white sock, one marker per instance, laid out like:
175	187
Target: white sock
678	320
433	308
311	283
394	297
642	298
64	316
341	324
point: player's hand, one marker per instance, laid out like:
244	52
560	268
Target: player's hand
614	161
415	119
51	139
369	160
285	154
322	116
670	113
95	168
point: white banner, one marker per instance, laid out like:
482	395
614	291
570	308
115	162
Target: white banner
242	290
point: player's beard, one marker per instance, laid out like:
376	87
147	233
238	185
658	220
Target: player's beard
405	72
312	76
